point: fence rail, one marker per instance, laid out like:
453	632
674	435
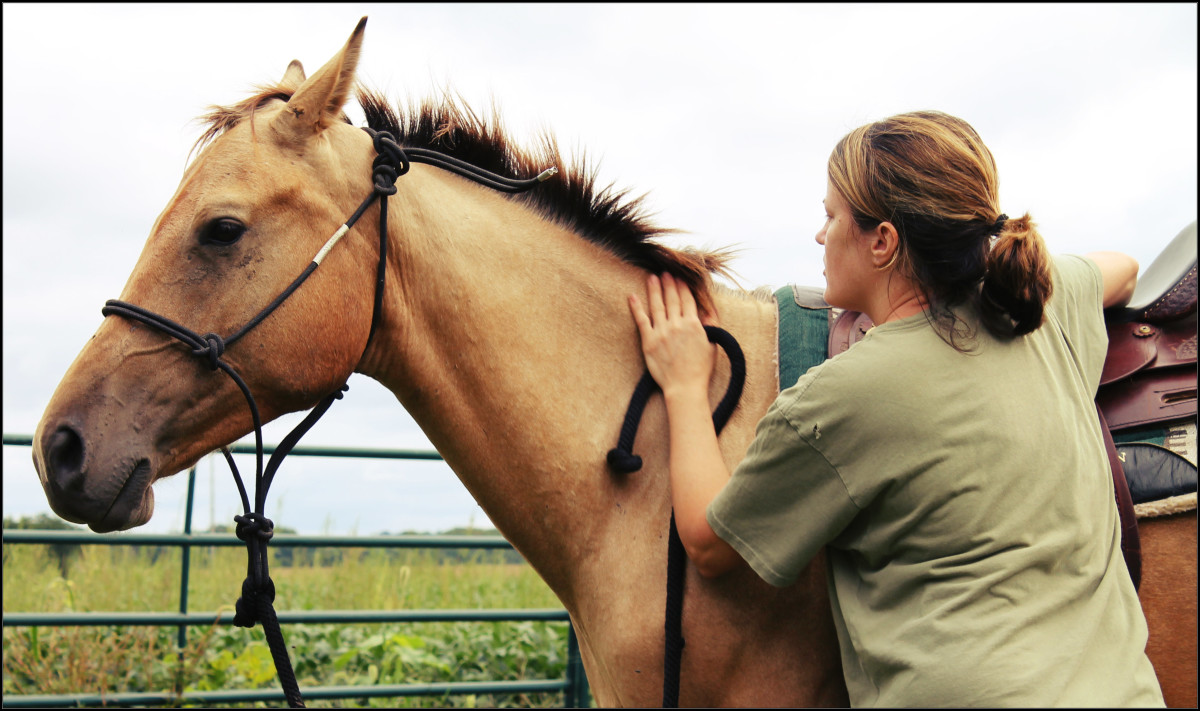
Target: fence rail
574	686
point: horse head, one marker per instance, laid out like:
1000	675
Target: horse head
278	175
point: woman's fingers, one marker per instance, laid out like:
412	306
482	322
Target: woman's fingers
640	316
654	295
687	302
677	298
677	352
668	299
670	292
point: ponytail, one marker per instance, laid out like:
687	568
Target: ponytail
932	177
1016	282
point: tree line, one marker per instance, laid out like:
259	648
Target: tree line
282	556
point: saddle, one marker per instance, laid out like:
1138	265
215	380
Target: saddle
1147	391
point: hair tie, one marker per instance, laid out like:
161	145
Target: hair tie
999	226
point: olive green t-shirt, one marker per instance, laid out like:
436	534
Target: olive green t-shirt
968	509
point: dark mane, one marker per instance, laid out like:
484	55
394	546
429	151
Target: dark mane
604	216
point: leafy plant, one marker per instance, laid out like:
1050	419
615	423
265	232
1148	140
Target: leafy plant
105	660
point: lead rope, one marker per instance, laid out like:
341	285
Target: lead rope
623	461
258	590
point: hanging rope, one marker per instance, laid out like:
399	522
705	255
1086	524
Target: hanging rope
622	460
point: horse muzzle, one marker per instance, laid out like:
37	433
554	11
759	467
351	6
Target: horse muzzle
82	488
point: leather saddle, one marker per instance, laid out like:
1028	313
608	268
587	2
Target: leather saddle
1148	382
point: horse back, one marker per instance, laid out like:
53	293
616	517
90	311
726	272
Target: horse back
1168	595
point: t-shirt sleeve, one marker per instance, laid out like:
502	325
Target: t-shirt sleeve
784	501
1078	304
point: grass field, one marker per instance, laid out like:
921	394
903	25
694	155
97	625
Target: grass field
224	657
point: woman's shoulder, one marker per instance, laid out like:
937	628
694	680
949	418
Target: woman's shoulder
1077	281
863	372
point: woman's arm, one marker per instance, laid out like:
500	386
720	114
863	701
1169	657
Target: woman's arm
1119	274
680	358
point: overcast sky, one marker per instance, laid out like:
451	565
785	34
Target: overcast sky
724	114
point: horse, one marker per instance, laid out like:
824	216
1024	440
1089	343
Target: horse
504	330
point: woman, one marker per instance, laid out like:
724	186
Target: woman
951	461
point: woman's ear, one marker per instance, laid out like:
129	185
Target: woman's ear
884	243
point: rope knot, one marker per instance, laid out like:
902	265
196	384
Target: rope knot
385	178
246	609
390	163
623	462
214	349
254	524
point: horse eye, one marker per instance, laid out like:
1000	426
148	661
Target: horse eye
223	231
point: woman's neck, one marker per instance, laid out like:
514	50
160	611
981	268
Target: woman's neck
897	298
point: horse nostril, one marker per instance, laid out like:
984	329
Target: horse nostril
64	458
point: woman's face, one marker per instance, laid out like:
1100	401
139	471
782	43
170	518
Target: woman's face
848	265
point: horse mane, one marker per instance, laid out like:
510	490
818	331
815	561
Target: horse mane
604	216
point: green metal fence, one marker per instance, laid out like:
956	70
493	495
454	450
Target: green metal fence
574	686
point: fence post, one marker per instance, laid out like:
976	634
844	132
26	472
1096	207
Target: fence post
576	695
187	559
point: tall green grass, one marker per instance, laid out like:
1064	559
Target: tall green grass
130	659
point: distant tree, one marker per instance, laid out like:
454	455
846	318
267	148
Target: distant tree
447	556
62	552
284	556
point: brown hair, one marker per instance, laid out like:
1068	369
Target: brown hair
930	175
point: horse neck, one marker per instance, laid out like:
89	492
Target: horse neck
509	340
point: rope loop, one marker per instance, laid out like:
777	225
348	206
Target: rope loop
214	349
621	458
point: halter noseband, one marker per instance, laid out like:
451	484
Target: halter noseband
255	529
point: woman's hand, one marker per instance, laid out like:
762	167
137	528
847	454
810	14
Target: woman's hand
677	351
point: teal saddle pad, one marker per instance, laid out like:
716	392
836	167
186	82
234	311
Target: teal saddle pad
803	331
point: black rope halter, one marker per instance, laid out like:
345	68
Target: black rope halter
253	527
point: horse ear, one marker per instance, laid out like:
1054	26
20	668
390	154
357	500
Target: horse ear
294	77
319	100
